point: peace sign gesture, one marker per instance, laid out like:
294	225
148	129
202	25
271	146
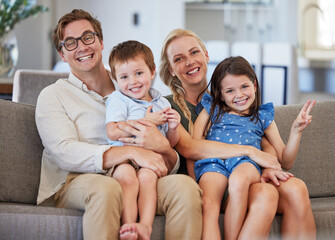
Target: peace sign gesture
303	119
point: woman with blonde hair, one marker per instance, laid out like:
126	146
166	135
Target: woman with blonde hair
183	68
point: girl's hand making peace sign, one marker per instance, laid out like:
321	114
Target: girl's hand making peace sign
303	119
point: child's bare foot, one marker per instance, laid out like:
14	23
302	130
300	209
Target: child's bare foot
128	232
134	231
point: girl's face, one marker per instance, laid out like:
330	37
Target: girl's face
238	92
187	61
134	78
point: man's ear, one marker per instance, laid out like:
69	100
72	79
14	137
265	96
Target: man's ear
62	55
102	45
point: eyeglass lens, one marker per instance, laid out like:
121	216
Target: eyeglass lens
72	43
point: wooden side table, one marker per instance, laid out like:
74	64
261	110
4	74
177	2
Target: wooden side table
6	88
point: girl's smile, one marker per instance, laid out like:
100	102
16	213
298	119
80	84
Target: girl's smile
238	92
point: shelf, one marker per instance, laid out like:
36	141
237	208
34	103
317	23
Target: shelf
228	6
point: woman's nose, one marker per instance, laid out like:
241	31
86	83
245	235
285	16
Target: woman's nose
189	61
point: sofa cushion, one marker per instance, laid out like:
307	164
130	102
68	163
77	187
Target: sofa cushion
315	162
26	221
21	153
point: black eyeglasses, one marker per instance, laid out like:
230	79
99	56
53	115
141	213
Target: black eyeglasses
71	44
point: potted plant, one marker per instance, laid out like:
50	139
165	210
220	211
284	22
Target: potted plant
11	13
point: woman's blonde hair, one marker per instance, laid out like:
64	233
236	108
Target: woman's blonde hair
173	82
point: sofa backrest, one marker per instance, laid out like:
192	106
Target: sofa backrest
20	153
21	150
28	84
315	162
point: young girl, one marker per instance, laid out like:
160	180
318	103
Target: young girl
233	114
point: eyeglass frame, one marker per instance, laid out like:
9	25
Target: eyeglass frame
62	43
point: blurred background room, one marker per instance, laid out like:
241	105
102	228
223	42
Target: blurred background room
290	43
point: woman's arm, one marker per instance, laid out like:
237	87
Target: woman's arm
199	132
196	149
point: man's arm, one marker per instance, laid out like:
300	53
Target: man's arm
143	157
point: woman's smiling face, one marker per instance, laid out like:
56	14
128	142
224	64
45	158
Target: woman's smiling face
188	61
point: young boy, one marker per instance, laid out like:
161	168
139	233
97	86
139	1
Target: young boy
132	65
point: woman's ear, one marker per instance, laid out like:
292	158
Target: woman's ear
171	72
207	57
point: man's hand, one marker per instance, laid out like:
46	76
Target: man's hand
143	157
149	137
146	135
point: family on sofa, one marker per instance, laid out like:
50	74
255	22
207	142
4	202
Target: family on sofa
78	161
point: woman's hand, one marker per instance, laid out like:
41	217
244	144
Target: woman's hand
263	159
274	176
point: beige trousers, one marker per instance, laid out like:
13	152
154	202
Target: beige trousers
179	199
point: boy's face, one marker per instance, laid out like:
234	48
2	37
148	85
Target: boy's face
134	78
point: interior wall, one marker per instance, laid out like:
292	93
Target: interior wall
156	18
240	22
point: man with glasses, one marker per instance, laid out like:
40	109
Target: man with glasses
70	117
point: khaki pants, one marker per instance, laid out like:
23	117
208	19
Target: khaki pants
179	199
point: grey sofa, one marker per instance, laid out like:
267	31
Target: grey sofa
20	163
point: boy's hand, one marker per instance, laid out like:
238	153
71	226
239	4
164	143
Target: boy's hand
173	118
157	118
303	119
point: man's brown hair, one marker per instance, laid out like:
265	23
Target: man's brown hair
74	15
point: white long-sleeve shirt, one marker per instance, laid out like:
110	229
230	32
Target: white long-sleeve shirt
71	122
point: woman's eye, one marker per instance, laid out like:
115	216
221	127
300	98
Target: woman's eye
177	59
123	77
195	52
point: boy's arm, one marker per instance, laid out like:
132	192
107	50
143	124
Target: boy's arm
173	119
